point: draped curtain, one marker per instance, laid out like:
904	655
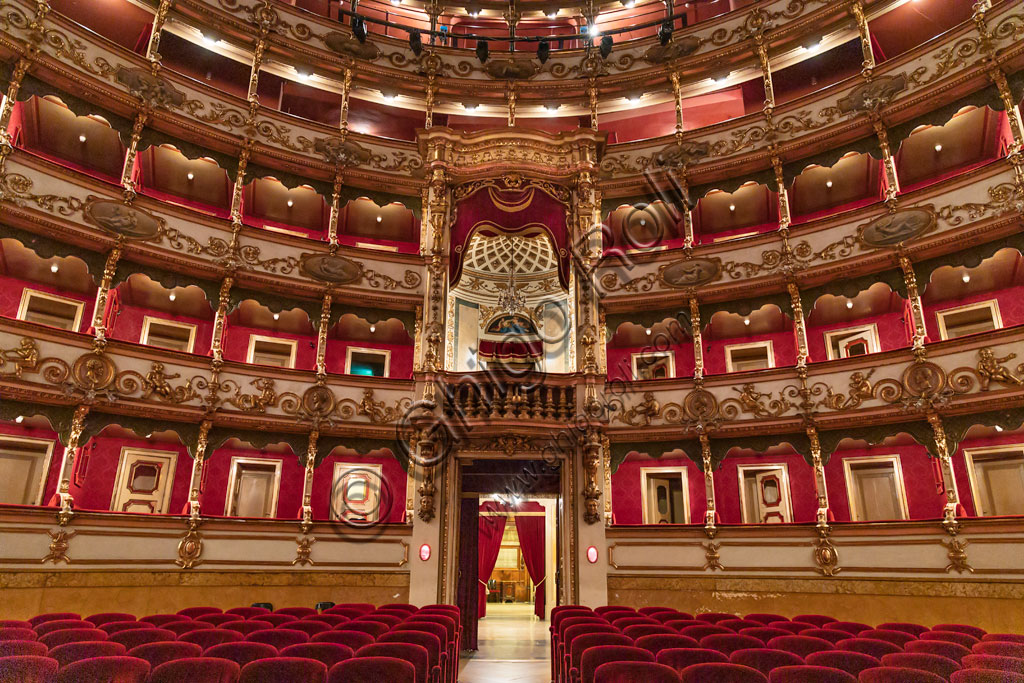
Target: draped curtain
492	527
530	527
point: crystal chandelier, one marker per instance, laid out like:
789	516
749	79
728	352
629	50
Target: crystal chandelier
510	299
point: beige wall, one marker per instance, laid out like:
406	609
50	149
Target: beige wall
27	593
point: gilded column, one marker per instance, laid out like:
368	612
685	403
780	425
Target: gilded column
586	208
159	19
346	92
606	450
431	63
307	481
128	170
321	337
799	324
916	309
709	484
591	485
820	487
867	50
592	96
220	318
698	344
952	504
511	95
198	463
436	217
99	320
425	448
21	68
332	225
67	502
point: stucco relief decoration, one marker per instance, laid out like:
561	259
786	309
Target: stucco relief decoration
1005	198
346	45
338	151
699	408
338	270
896	228
316	404
991	369
681	154
687	273
871	95
378	412
153	89
789	260
264	397
19	360
512	69
119	218
681	47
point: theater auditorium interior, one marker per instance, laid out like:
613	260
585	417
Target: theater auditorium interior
605	341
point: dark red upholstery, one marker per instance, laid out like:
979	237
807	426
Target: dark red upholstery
825	634
331	620
698	632
891	674
851	627
209	637
17	634
764	633
27	669
105	670
800	645
938	647
72	635
193	612
52	616
1003	637
680	624
999	649
115	626
658	642
715	617
985	676
416	655
387	619
943	666
196	670
242	653
348	612
73	652
353	639
180	627
374	628
284	670
721	672
794	627
738	625
372	670
809	674
109	617
765	618
605	609
816	619
665	617
850	662
875	648
278	637
640	630
141	635
248	626
961	628
764	660
218	619
161	619
915	629
160	653
247	612
652	610
432	644
680	658
15	623
297	612
328	653
964	639
399	606
310	628
727	644
60	625
900	638
635	672
995	662
277	619
595	656
14	648
580	643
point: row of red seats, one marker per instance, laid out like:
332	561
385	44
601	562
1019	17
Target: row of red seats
618	644
350	642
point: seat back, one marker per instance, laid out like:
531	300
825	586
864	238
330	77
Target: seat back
657	642
764	660
18	648
161	653
105	670
800	645
209	637
416	655
284	670
73	635
242	653
721	672
937	664
680	658
328	653
635	672
278	637
108	617
810	674
27	669
138	636
850	662
893	674
196	670
52	616
373	669
193	612
595	656
73	652
729	643
352	639
875	648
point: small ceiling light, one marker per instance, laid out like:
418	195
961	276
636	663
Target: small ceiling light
629	4
21	418
303	75
998	428
415	42
732	207
172	296
938	148
648	331
552	15
470	107
277	316
593	30
543	51
390	97
746	321
551	107
209	40
81	138
290	203
643	222
633	99
849	304
373	328
475	13
54	268
191	175
380	218
396	2
481	50
828	184
966	278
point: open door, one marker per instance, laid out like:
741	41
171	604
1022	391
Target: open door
144	481
466	586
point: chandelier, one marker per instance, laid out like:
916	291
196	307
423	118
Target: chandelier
510	299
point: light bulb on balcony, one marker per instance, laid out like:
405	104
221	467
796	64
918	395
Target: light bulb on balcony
998	428
81	138
552	15
746	321
380	218
966	278
594	31
475	13
396	2
191	175
648	331
172	296
277	316
290	203
938	148
828	184
849	304
19	419
630	4
54	268
732	207
643	222
373	328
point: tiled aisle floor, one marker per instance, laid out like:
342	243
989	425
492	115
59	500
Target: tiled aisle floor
513	646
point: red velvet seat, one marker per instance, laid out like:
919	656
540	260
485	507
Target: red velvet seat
680	658
961	628
374	628
816	619
892	674
331	620
366	669
346	611
640	630
666	617
16	648
964	639
721	672
140	636
1003	637
328	653
15	623
278	637
569	634
73	652
594	657
995	662
209	637
800	645
825	634
416	655
851	627
196	670
715	617
277	619
247	627
297	612
160	653
652	610
943	666
875	648
400	606
102	618
180	627
900	638
310	628
579	644
850	662
633	620
247	612
954	651
915	629
605	609
985	676
27	669
366	608
72	635
765	618
353	639
437	658
193	612
999	649
610	617
284	670
53	616
658	642
448	651
794	627
161	619
737	625
635	672
764	633
729	643
116	626
764	659
809	674
698	632
17	634
105	670
242	653
218	619
60	625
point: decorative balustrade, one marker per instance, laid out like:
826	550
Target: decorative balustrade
491	398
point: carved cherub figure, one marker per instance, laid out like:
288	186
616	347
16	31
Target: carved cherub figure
24	357
157	382
644	412
991	369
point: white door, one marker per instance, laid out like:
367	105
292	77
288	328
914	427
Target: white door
254	488
144	481
858	344
772	497
24	464
356	494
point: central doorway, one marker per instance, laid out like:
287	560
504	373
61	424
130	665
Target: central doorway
510	518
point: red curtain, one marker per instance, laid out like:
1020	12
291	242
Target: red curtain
492	527
530	527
